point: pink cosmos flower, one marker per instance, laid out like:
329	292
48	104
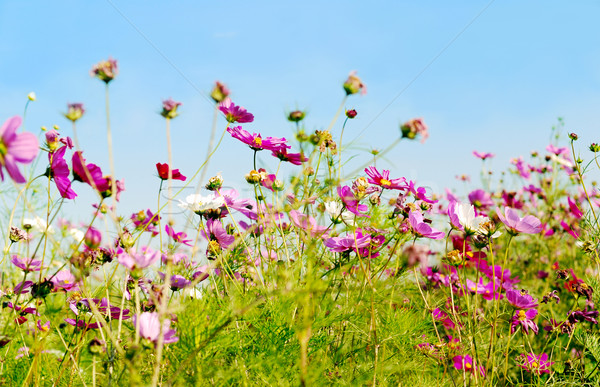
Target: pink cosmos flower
163	172
307	223
466	362
383	180
294	158
138	260
574	209
483	156
148	326
420	228
234	113
16	148
146	221
177	236
522	167
480	199
349	242
420	193
215	232
515	224
256	142
537	364
521	299
26	264
350	201
65	280
569	229
524	319
90	173
59	171
411	129
557	151
177	281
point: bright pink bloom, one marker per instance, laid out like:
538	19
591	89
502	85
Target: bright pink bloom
256	142
480	199
92	238
349	242
515	224
569	229
215	232
294	158
466	362
90	173
163	172
350	201
420	193
65	280
483	156
420	228
177	236
537	364
59	171
148	326
522	168
383	180
525	320
521	299
146	221
574	209
16	148
234	113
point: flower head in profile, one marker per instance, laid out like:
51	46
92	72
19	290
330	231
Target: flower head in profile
16	148
219	92
105	70
148	326
383	180
294	158
256	141
74	111
169	108
515	224
163	172
178	237
354	84
201	204
413	128
26	264
59	172
536	364
88	173
421	228
234	113
483	156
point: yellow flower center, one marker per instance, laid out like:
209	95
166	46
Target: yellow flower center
258	141
522	315
385	182
534	364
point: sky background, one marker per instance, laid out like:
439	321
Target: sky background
487	76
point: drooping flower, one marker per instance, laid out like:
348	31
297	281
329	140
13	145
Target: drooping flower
256	142
524	319
148	326
521	299
515	224
306	223
352	204
201	204
163	172
353	241
16	148
178	237
420	228
59	172
383	180
169	108
413	128
294	158
482	155
88	173
234	113
105	70
537	364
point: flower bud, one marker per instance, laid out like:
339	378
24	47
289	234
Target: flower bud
31	96
352	113
219	92
92	238
16	235
296	116
127	240
595	147
278	185
453	258
74	111
354	85
52	139
169	108
573	136
253	177
105	71
214	183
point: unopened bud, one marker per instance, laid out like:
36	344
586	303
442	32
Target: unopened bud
219	92
595	147
351	113
31	96
296	116
573	136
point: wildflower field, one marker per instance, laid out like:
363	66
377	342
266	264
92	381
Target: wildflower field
328	275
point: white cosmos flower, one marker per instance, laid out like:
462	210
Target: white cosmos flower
38	224
198	203
467	218
335	209
77	234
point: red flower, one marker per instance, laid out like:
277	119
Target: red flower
163	172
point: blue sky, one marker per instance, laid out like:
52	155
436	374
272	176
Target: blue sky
493	81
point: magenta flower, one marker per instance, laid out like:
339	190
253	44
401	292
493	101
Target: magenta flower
88	173
26	264
557	151
234	113
569	229
16	148
148	326
177	281
482	155
422	229
64	280
515	224
217	237
92	238
574	209
350	201
524	319
256	142
163	172
178	237
146	221
521	299
467	364
59	172
537	364
294	158
383	180
349	242
522	167
480	199
138	260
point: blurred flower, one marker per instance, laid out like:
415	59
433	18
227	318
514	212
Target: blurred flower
65	280
294	158
422	229
169	108
467	364
26	264
105	70
411	129
296	116
482	155
219	92
88	173
353	85
16	148
148	326
515	224
93	238
178	237
163	172
307	223
351	114
31	96
234	113
74	111
480	199
201	204
138	260
537	364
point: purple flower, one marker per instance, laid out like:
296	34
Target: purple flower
177	281
141	260
16	148
525	320
537	364
256	142
294	158
349	242
22	287
26	264
480	199
521	299
383	180
515	224
466	362
234	113
422	229
148	327
350	201
65	280
146	221
583	315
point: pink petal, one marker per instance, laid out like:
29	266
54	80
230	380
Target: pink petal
24	147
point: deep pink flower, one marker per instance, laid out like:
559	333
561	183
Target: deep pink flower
59	172
466	362
480	199
88	173
515	224
177	281
26	264
163	172
350	201
574	209
569	229
420	193
256	142
65	280
482	155
16	148
524	319
234	113
177	236
383	180
148	326
294	158
521	299
420	228
537	364
92	238
215	232
146	221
